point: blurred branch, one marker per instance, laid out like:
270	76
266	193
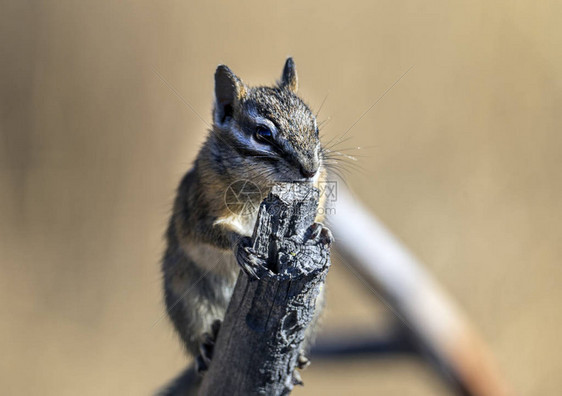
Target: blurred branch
438	327
395	340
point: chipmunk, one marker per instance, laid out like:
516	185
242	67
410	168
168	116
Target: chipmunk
264	135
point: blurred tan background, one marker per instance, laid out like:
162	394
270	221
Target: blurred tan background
461	159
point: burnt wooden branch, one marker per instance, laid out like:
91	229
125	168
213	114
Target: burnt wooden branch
258	345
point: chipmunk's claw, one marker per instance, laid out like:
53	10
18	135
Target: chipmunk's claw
319	233
206	348
296	378
248	260
302	361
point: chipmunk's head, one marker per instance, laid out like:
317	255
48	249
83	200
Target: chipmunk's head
265	134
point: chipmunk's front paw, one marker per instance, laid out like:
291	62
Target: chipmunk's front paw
249	261
302	361
207	347
296	378
319	233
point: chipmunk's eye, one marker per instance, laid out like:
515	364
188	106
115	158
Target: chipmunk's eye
263	134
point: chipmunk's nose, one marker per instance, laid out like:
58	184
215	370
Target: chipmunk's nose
308	173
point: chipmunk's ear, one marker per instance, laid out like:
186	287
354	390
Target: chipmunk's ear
229	90
289	78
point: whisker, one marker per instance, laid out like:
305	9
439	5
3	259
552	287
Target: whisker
324	122
331	144
321	105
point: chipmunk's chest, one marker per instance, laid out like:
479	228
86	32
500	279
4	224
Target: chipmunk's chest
241	223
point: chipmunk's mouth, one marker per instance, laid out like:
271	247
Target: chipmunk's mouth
293	175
